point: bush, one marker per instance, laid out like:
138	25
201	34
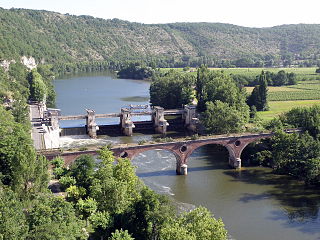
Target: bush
57	162
59	171
67	181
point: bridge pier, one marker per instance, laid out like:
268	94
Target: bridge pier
235	162
181	169
190	117
159	122
235	149
126	122
91	123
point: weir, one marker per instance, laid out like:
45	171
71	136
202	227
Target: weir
185	118
188	116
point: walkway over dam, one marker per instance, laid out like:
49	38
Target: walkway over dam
187	117
181	149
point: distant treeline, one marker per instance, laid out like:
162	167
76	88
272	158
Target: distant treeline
273	79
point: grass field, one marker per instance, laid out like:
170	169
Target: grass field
278	107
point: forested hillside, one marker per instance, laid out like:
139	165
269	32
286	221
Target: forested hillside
52	37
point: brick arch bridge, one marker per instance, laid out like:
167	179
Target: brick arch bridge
182	149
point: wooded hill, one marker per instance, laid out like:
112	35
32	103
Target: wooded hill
53	37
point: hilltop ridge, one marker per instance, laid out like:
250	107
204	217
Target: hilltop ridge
52	37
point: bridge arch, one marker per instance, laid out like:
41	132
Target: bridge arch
158	159
227	151
192	148
132	153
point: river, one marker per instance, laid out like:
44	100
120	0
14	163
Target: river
253	203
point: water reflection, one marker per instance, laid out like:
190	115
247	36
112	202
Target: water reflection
299	204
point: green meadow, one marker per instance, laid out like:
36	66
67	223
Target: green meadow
278	107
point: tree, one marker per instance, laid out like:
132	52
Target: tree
202	78
218	95
82	170
312	170
136	71
280	79
54	218
115	186
197	224
121	235
86	208
221	118
20	167
48	75
212	86
171	90
296	155
148	214
318	70
13	224
38	89
101	223
258	97
306	118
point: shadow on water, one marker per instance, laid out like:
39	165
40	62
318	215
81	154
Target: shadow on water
172	172
300	203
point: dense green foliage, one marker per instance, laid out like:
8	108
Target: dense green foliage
38	89
258	97
136	71
296	154
55	38
13	223
20	168
293	154
171	90
307	119
221	100
281	78
114	198
220	118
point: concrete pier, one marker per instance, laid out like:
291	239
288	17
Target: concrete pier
190	116
126	122
91	123
159	122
